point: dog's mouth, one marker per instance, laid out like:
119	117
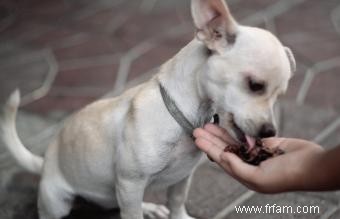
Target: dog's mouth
241	136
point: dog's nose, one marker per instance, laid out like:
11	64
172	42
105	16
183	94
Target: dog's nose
267	130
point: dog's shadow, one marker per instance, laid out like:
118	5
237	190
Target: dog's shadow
83	209
19	200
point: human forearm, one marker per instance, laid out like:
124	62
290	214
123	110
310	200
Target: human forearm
322	172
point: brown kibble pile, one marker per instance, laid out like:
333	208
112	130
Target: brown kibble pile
256	155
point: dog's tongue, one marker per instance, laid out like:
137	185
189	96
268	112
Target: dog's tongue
251	142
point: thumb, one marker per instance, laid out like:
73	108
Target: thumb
237	167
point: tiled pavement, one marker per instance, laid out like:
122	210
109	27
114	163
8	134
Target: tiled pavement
65	54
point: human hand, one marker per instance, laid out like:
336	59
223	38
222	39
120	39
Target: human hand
290	171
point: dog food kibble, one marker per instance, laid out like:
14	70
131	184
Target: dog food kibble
255	155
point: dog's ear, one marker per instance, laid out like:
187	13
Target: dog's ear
291	59
215	25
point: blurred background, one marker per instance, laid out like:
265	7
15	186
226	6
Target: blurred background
66	54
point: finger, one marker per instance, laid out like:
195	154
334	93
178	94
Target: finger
201	133
198	132
228	169
213	151
284	144
238	168
225	164
220	132
272	142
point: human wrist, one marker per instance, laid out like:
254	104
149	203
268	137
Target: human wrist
312	174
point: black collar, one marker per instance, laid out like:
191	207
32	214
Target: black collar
205	113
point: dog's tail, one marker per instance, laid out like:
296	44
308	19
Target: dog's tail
9	136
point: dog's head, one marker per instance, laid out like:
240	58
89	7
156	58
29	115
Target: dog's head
247	69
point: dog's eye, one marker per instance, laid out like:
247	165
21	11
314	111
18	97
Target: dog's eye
256	86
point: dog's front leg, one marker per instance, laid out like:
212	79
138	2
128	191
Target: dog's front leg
130	194
177	195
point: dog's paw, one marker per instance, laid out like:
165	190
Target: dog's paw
181	215
187	217
153	211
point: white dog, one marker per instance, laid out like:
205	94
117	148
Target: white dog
114	149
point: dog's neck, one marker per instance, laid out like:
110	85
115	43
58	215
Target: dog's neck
180	77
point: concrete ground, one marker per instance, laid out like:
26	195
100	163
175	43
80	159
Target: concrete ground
65	54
